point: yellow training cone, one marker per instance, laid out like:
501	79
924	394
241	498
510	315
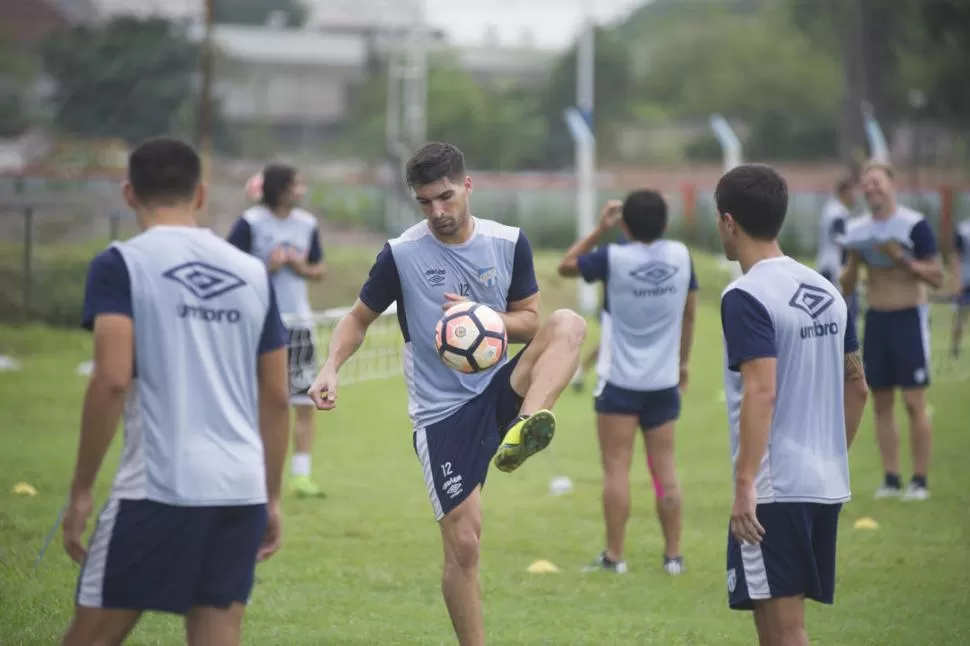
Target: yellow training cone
866	523
542	567
24	489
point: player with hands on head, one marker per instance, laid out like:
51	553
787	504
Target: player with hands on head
650	302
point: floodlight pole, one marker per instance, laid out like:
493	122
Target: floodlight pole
580	122
730	144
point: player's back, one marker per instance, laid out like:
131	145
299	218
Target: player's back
807	456
199	306
646	291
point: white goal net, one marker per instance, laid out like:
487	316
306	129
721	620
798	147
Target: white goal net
379	357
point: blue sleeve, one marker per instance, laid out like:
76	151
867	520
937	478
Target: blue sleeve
924	243
315	254
838	228
958	243
749	332
383	285
693	278
274	334
108	288
523	283
241	236
851	338
595	265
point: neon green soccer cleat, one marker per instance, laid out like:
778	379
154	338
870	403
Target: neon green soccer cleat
305	488
528	435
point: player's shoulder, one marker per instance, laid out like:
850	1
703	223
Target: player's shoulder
859	222
908	216
964	228
410	235
304	217
497	230
256	214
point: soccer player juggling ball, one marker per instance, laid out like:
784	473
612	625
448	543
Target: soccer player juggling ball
461	420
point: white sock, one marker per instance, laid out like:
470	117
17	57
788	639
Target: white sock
301	464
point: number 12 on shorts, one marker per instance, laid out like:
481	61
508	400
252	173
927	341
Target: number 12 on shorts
446	469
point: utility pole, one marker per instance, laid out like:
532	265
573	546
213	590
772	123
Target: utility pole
204	125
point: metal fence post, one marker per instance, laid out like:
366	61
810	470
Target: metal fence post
28	254
114	225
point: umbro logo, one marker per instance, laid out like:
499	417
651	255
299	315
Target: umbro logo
204	280
436	277
811	300
654	272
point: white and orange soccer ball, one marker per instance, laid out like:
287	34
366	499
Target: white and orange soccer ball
470	337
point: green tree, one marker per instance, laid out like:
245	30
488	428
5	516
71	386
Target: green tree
258	12
16	71
130	78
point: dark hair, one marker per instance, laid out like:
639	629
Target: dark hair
164	171
277	178
756	196
432	162
645	215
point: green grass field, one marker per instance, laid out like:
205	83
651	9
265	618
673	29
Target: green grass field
362	566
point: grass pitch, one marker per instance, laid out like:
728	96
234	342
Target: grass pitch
362	567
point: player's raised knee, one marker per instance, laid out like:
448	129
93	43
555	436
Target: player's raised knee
565	323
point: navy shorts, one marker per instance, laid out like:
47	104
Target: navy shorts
455	452
146	555
896	348
796	555
652	407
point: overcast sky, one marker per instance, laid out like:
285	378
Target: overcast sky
553	22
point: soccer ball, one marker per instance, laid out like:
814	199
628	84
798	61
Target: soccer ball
470	337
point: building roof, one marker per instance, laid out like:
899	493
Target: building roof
286	46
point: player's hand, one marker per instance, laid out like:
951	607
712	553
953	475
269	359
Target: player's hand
684	378
610	214
274	532
323	392
277	258
451	300
75	520
744	518
894	250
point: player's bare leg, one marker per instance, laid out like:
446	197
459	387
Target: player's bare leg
205	626
303	435
547	365
100	627
956	333
461	532
543	371
587	364
887	437
660	460
616	436
920	441
781	621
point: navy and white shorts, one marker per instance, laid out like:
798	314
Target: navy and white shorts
302	358
149	556
796	555
455	452
896	348
653	408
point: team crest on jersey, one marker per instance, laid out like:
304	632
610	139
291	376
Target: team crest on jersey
654	272
488	276
811	300
436	277
204	280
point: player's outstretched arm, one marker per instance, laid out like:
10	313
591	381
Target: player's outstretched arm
346	339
